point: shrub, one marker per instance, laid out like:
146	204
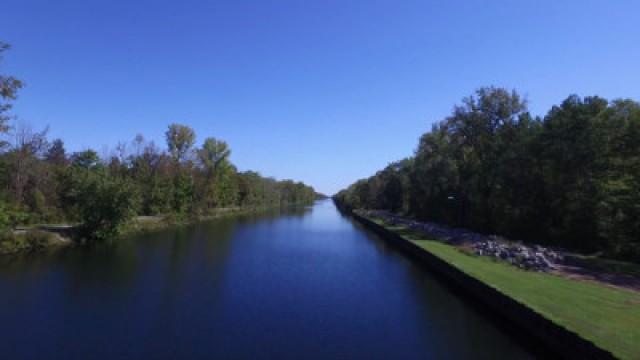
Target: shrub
105	203
25	242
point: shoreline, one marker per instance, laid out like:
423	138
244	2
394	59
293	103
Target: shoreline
527	256
146	224
535	327
58	236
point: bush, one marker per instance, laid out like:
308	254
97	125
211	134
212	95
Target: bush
11	216
25	242
105	203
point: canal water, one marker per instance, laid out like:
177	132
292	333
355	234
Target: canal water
296	284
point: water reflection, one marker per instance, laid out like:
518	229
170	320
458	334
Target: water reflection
292	283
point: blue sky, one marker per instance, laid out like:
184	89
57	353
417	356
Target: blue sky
326	92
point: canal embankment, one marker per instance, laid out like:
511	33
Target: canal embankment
573	319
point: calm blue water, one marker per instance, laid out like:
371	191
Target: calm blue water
303	284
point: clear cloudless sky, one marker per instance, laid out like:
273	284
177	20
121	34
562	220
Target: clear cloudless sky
326	92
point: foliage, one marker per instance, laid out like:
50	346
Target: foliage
219	187
571	178
41	182
87	159
10	216
56	154
105	203
180	140
9	87
32	240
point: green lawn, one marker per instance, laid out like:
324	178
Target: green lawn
607	316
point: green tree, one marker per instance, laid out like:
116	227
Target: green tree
571	156
105	203
9	87
183	193
180	140
219	186
56	155
435	179
475	128
214	155
87	159
571	178
618	209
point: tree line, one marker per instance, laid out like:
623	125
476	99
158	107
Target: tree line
40	182
570	178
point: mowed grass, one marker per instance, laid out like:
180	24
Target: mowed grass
607	316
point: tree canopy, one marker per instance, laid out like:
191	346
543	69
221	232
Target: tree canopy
570	178
41	182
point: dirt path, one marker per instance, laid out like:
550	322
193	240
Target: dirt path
625	281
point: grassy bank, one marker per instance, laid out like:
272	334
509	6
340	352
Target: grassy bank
609	317
34	238
143	224
30	241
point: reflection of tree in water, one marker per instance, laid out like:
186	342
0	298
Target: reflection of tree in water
273	214
197	261
185	288
194	266
93	265
86	264
119	263
195	270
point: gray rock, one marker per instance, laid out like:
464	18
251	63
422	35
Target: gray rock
532	258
